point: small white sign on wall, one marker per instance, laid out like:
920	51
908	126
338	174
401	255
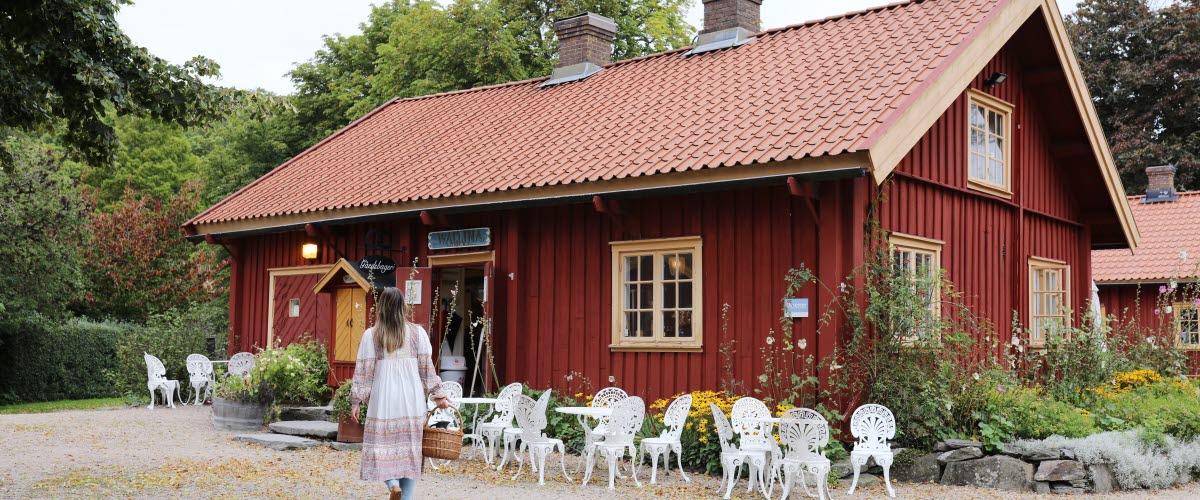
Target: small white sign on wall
412	292
796	308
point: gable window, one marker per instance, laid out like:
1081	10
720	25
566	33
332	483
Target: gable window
657	294
921	259
989	148
1187	326
1049	299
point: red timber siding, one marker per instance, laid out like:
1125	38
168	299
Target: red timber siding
1139	305
988	240
314	319
553	278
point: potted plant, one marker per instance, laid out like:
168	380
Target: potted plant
348	430
241	403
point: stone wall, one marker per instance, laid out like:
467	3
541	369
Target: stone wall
964	463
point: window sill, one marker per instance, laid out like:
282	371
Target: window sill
991	189
656	348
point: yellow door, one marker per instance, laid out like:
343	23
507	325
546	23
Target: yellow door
351	323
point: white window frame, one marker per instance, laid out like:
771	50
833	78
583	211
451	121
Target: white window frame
294	308
917	245
1038	337
990	104
659	249
1178	310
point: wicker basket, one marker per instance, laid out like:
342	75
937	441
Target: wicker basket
443	444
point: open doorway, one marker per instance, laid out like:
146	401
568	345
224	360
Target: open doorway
460	326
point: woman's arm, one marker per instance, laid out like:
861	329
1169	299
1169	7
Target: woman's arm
364	371
429	376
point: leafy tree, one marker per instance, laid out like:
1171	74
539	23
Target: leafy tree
1141	59
153	158
139	264
68	60
41	211
242	148
417	47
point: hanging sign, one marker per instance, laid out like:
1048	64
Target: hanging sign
460	238
377	265
795	308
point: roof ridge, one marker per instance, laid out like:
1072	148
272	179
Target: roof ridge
1179	193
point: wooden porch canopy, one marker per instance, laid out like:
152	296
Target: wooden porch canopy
345	272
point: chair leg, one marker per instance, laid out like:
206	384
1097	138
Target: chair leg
611	455
654	453
887	475
562	460
151	399
679	461
854	482
520	463
541	463
735	470
590	456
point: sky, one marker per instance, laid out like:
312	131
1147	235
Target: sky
257	42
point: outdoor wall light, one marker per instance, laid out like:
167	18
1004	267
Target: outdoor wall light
996	79
309	251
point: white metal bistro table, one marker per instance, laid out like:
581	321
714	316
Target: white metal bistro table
476	438
583	413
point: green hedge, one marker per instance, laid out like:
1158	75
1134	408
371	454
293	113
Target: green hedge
43	360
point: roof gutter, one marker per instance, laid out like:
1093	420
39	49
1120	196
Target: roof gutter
686	188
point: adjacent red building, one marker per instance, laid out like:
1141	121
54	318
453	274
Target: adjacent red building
601	219
1155	287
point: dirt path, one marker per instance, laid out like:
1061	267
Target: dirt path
138	453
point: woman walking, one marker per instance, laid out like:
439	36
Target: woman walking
393	375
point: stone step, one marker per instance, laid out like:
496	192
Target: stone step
279	442
305	428
315	413
345	446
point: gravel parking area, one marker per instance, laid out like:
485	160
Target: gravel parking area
139	453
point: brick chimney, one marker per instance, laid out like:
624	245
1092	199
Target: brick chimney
584	45
1162	184
721	15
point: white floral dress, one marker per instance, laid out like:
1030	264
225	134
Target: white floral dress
394	386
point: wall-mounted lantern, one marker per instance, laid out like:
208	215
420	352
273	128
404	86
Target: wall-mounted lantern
309	251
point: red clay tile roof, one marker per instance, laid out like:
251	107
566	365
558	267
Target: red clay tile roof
1170	246
815	89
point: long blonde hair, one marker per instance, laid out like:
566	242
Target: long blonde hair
390	323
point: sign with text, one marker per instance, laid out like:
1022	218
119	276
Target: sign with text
795	308
377	265
460	238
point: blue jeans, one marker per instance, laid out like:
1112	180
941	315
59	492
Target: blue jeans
406	485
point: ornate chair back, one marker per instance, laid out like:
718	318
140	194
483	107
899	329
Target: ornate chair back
676	416
454	391
724	430
606	398
755	435
626	420
241	364
804	433
530	419
155	371
543	401
504	404
873	425
199	367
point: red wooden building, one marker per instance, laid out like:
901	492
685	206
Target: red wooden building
1155	287
601	218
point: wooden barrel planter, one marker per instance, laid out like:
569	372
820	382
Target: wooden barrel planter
348	431
234	416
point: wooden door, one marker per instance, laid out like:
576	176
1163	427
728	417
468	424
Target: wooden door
350	323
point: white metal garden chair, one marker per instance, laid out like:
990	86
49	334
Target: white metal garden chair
502	418
513	434
731	457
241	363
156	380
804	433
618	439
531	418
751	422
454	391
667	442
606	398
200	376
873	425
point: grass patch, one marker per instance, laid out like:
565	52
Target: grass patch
69	404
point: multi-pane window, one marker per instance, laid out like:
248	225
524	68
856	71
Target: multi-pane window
988	143
656	299
920	258
1187	325
1049	299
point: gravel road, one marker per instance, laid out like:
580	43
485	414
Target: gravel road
175	453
